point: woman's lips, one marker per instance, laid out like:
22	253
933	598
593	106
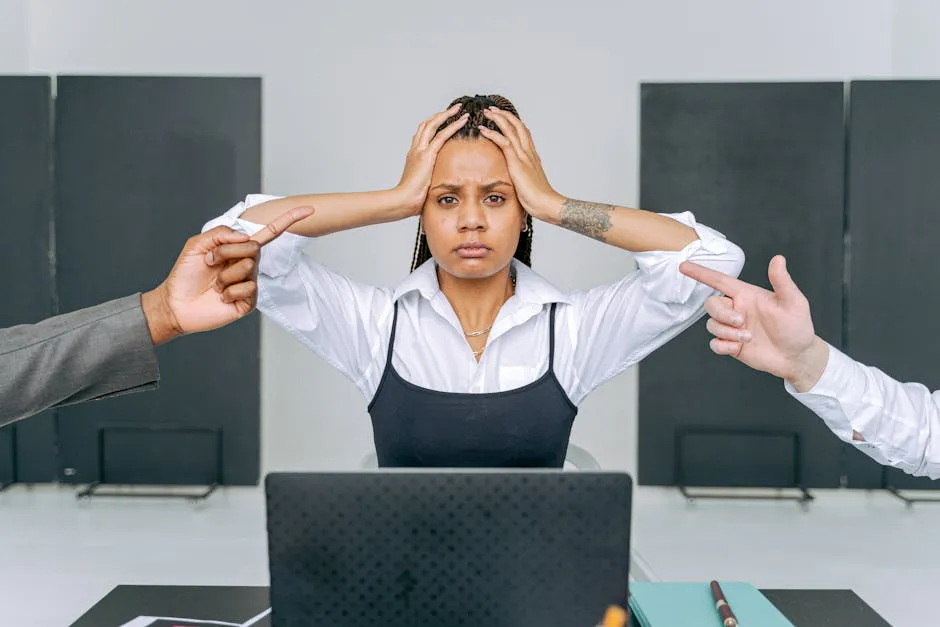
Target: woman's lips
472	251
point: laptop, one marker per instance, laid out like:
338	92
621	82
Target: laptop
461	548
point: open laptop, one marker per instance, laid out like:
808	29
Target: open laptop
463	548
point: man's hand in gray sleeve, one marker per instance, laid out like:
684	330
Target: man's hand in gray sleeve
107	350
213	282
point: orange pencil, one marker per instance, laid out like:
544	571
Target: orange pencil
615	617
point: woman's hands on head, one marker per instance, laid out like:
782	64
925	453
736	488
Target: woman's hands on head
419	163
535	193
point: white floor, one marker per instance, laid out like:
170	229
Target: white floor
58	556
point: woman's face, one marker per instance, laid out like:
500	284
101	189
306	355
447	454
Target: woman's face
472	217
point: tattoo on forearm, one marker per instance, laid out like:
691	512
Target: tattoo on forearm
588	218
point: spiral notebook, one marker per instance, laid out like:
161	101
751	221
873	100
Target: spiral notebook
690	604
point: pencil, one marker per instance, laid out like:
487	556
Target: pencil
721	604
615	617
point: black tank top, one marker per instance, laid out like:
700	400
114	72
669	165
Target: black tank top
526	427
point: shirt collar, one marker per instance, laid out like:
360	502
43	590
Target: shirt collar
530	286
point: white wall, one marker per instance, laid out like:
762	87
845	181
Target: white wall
346	84
14	35
916	51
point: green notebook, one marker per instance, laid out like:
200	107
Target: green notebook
668	604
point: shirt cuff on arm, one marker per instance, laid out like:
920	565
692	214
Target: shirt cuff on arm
660	269
278	257
839	380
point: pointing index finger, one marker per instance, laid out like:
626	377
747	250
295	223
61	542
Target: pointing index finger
712	278
273	229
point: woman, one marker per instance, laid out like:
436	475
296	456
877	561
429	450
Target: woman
474	359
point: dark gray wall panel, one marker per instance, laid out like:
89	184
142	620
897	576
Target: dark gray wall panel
27	285
894	284
763	164
141	164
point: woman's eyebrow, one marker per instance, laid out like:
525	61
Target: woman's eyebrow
448	186
452	187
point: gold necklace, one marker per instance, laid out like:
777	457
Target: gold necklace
512	278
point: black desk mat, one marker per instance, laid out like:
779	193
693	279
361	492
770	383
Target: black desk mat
244	606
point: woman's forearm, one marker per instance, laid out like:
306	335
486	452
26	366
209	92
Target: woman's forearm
334	212
635	230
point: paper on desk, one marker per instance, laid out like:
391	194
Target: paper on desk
172	621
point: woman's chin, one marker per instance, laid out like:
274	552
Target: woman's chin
464	268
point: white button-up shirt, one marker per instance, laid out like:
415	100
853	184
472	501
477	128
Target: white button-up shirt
599	332
900	422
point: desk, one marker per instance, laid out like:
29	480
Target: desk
247	606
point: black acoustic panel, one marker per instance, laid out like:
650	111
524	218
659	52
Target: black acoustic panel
759	460
764	164
37	448
894	281
141	164
134	454
27	285
7	454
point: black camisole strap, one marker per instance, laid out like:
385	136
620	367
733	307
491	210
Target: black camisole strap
551	339
391	338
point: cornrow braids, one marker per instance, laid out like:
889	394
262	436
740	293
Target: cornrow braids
475	106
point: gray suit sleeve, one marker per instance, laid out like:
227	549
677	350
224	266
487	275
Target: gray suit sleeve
93	353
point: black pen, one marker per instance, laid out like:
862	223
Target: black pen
721	604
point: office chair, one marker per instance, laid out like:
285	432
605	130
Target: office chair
576	456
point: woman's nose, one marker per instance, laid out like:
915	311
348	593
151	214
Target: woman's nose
472	217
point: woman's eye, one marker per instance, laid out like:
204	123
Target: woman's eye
494	199
446	200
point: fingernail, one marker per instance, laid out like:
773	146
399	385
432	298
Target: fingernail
744	336
737	320
210	257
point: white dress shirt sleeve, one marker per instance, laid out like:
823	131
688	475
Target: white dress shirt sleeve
900	422
620	324
344	322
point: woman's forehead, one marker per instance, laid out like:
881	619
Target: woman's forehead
470	162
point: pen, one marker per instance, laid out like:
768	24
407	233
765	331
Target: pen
721	604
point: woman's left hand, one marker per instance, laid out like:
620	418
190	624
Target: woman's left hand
532	187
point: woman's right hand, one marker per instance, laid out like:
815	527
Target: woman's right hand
419	164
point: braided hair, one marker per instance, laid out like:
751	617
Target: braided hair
474	106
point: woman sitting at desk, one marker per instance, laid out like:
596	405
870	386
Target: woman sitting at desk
474	359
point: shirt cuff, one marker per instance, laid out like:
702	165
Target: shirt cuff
838	381
660	269
278	257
